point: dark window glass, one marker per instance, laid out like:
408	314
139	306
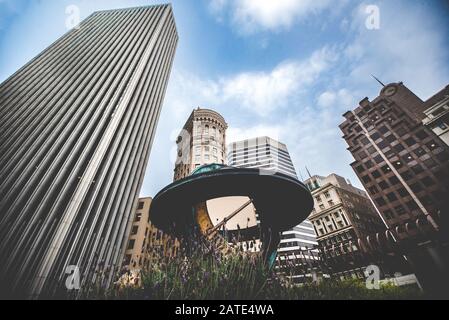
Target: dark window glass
360	169
378	159
380	201
362	155
364	140
375	174
393	180
131	244
368	164
397	164
366	179
422	134
406	175
416	187
383	129
401	131
388	214
431	145
373	189
417	169
383	185
140	205
382	145
134	230
402	192
410	141
419	152
392	197
398	148
375	136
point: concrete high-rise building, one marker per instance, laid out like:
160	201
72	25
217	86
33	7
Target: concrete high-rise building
263	153
342	215
268	155
404	166
201	141
76	128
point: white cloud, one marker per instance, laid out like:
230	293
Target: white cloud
264	92
250	16
326	99
259	93
234	134
330	98
409	46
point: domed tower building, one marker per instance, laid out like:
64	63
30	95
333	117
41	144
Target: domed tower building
201	141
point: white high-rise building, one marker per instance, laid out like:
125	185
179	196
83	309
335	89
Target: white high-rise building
271	155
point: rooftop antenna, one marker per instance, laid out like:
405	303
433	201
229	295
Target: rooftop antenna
378	80
310	176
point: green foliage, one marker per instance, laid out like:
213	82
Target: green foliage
240	276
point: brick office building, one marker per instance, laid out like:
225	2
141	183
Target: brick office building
404	166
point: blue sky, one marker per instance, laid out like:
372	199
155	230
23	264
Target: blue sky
284	68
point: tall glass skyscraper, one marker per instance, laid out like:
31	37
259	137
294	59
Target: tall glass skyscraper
76	128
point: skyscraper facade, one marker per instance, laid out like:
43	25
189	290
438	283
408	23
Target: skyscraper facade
201	141
262	152
270	155
342	215
404	166
76	128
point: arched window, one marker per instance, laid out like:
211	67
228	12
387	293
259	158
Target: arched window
206	129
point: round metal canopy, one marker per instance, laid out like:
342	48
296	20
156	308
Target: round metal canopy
281	201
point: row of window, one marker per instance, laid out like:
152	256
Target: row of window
326	195
331	222
213	131
206	158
